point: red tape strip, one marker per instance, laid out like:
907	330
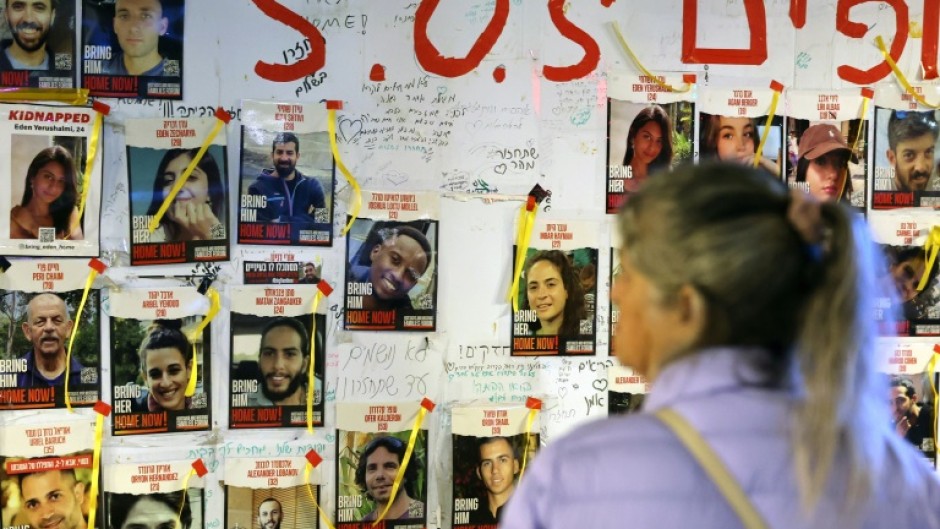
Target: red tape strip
200	468
868	93
101	108
427	404
222	114
530	203
936	349
533	403
313	458
99	266
324	287
102	408
776	86
689	78
334	104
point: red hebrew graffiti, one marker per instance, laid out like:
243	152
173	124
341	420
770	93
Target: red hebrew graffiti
430	58
310	64
377	73
928	53
858	30
592	53
755	54
798	13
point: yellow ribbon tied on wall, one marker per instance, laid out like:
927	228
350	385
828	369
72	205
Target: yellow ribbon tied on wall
214	305
931	246
102	410
222	118
900	75
97	267
523	234
314	460
323	290
355	200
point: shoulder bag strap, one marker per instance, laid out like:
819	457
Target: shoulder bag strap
716	470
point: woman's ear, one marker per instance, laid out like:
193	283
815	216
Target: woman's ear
691	315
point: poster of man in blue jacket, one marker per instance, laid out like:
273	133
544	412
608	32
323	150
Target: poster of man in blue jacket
286	177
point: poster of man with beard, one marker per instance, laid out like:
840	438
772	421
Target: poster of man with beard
270	493
287	171
39	302
39	52
274	344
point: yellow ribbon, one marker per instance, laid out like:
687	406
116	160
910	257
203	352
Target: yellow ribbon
355	201
636	60
861	124
931	246
89	166
763	137
422	412
96	462
311	379
326	520
71	96
78	318
178	184
530	418
214	305
900	75
185	489
524	233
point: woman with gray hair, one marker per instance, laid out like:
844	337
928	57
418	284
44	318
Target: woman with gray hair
751	310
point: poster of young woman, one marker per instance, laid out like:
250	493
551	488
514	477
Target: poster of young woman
42	461
286	177
827	145
901	235
732	122
391	269
273	345
39	302
155	348
649	128
133	48
371	441
906	146
270	493
626	390
151	494
194	226
557	290
52	196
912	399
40	52
490	446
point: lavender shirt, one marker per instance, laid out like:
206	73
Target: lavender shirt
631	472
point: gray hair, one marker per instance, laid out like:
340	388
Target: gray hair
723	230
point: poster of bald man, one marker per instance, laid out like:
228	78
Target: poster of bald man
270	493
45	473
39	303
